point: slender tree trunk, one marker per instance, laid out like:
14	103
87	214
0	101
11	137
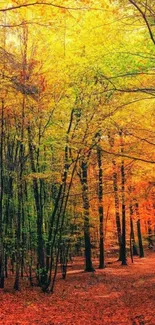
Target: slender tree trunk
123	246
133	243
18	240
116	199
1	198
84	181
131	250
117	213
23	238
2	254
42	276
123	250
100	208
141	250
20	214
30	252
19	243
10	213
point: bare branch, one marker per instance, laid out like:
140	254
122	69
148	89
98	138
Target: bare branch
145	19
128	156
141	139
36	3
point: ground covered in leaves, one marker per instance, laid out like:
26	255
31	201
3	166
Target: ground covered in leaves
114	296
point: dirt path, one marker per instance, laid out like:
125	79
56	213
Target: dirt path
114	296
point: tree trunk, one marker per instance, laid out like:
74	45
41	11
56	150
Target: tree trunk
1	198
18	240
141	250
123	246
84	180
20	200
117	214
100	208
116	198
42	276
133	243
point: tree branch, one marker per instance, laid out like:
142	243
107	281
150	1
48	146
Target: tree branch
145	19
36	3
127	156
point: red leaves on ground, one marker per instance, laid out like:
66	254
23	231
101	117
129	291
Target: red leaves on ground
114	296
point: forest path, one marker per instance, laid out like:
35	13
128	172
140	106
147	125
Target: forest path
117	295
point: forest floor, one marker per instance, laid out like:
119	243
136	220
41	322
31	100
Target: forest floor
117	295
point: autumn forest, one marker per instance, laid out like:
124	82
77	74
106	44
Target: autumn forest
77	175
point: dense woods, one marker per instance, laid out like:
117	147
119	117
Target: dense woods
77	135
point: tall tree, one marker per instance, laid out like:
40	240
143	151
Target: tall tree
100	207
